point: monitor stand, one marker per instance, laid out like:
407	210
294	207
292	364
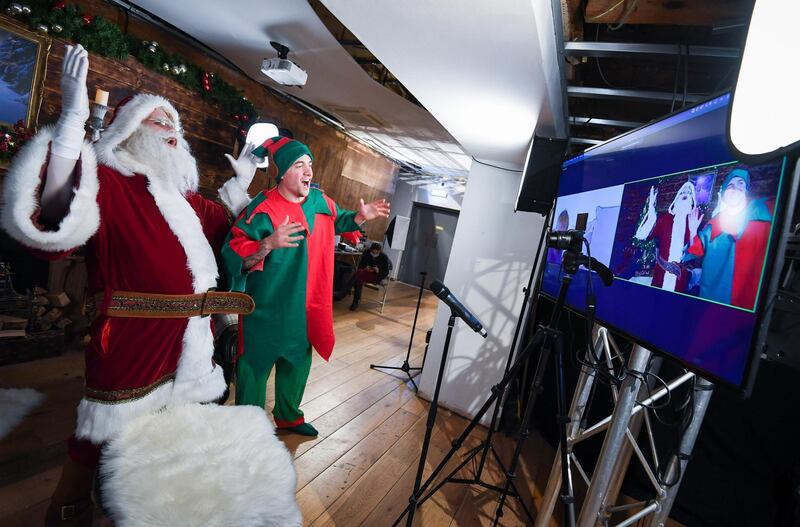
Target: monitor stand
630	412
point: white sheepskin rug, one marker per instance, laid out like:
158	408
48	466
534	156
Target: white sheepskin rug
15	404
200	465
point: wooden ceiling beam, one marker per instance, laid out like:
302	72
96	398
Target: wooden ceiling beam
572	19
674	12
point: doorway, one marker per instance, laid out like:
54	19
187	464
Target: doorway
430	238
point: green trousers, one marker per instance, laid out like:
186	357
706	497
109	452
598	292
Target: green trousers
290	384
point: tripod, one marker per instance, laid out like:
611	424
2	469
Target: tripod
546	338
406	367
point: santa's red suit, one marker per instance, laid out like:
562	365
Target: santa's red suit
141	234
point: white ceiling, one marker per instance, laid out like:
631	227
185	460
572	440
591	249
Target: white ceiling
486	70
477	66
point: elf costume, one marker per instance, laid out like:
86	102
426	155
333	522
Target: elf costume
292	288
732	263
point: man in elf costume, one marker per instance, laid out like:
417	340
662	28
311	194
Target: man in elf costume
732	245
131	199
280	251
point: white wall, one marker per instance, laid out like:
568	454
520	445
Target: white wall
490	263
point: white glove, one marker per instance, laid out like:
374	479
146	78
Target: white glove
70	132
245	165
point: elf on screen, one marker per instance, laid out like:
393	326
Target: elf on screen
685	229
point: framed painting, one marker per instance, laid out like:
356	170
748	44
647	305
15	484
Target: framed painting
23	61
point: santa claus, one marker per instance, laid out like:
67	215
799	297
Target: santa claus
131	200
672	232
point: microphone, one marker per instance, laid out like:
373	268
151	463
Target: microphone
444	294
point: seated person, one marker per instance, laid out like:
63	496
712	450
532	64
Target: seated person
373	268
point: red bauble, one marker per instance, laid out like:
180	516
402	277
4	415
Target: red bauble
59	5
242	132
236	117
87	19
206	87
245	117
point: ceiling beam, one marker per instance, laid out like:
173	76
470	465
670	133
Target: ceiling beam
624	49
673	12
572	19
631	95
575	120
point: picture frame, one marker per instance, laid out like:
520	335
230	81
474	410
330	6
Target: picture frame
23	65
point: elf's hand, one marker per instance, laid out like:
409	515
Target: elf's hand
370	211
287	234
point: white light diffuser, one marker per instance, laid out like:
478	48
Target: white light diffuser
765	110
259	133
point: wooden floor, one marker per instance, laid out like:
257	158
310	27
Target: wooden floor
360	469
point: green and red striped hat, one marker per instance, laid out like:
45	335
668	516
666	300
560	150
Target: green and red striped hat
284	152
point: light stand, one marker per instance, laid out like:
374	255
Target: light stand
406	367
486	445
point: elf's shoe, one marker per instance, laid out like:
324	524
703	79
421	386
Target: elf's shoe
304	429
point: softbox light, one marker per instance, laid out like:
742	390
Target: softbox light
764	116
260	132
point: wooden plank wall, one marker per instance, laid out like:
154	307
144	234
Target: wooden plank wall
345	169
678	12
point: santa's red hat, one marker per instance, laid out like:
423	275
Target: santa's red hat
128	116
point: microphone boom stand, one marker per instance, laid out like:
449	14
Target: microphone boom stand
430	423
406	367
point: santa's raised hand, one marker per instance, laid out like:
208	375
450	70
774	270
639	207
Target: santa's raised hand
693	222
244	166
370	211
651	205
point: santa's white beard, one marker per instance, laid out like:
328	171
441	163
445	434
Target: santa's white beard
147	151
676	247
682	207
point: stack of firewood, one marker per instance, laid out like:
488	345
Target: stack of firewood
11	326
49	310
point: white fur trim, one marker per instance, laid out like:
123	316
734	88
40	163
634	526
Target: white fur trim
99	422
15	405
184	223
233	196
20	199
200	465
198	379
126	121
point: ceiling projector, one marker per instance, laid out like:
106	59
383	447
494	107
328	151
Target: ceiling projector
282	70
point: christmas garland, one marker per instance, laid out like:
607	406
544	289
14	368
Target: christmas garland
69	22
101	36
12	139
194	78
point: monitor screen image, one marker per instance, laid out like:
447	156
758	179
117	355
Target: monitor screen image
688	232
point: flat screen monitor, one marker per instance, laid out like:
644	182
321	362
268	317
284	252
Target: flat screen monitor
689	233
